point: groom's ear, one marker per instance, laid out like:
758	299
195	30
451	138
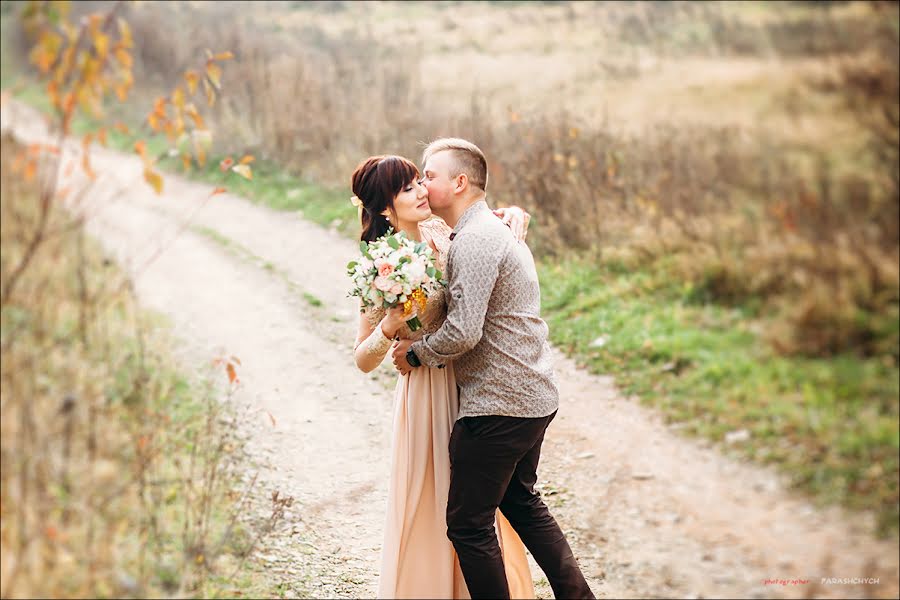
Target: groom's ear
462	182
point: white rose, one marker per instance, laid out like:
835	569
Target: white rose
415	270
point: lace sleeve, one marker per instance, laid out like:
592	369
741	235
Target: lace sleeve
372	350
438	232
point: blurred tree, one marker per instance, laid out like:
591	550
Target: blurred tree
83	65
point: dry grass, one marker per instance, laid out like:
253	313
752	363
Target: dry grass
119	476
734	136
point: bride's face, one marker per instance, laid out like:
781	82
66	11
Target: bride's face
411	204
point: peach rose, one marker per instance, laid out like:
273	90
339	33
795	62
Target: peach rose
384	284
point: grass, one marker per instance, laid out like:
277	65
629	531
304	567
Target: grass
830	423
120	470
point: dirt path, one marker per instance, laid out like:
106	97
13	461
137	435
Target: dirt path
649	513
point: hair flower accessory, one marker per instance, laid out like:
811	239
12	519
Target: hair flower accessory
355	201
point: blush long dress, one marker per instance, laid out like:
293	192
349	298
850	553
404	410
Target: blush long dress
417	558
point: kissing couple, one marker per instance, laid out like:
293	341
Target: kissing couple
475	393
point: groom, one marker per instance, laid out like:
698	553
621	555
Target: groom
497	341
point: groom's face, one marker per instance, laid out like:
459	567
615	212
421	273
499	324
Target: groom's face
436	178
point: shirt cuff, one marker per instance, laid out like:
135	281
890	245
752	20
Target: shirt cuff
426	355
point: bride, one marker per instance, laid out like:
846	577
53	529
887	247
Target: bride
417	558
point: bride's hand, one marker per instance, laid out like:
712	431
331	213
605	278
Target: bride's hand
393	321
517	220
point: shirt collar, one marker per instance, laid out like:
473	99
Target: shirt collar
467	216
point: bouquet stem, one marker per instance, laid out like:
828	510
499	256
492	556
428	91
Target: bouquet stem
414	324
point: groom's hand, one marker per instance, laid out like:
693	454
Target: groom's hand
399	356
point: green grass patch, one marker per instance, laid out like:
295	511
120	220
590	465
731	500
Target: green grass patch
312	300
831	424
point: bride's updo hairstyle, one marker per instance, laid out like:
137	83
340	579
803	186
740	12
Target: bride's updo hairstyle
376	182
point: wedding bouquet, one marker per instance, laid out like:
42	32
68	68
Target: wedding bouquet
394	270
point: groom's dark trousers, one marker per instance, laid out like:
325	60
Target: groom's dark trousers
493	461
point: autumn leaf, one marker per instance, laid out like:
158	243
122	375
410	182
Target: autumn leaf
218	190
123	57
140	147
101	45
247	159
191	78
86	156
30	170
232	374
46	51
243	170
86	165
69	103
191	110
226	163
154	179
214	72
159	107
125	34
210	92
178	98
223	56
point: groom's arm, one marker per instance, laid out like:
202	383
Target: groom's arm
475	267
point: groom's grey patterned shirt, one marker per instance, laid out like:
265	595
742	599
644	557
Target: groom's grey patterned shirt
493	332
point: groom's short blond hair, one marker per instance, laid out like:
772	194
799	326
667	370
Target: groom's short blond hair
467	158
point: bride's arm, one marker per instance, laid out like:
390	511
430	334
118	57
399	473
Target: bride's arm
372	343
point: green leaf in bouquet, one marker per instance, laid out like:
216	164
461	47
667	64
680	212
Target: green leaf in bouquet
420	247
438	275
364	248
393	243
351	265
432	272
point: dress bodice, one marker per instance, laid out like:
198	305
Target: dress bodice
438	233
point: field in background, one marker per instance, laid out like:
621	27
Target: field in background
714	184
